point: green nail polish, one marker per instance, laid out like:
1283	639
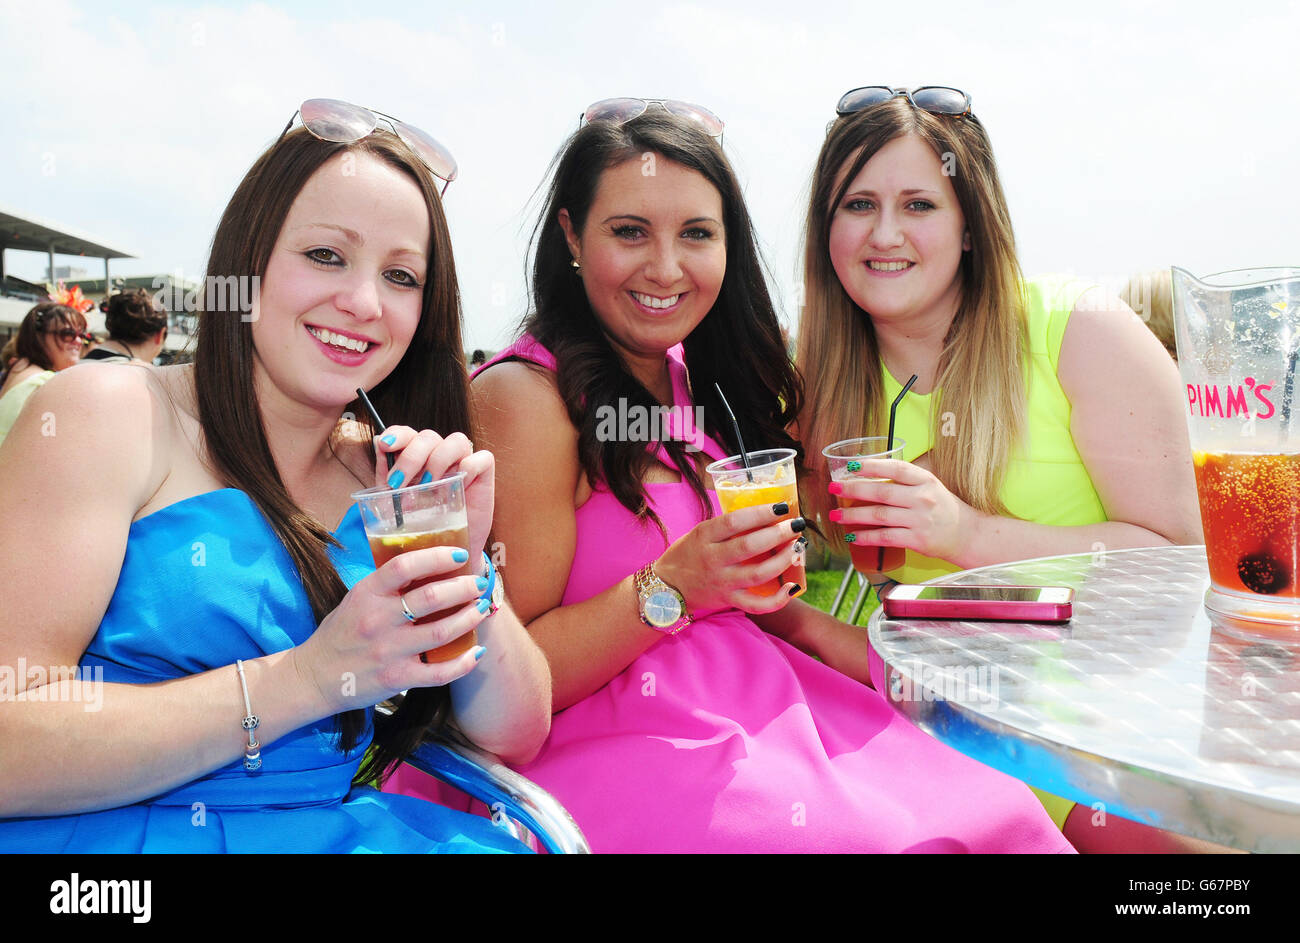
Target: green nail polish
854	466
849	538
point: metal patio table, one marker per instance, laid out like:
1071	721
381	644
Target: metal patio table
1140	706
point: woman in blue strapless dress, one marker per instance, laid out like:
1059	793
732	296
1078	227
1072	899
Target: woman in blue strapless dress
211	565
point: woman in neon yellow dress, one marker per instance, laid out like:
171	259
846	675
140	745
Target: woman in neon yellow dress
49	340
1045	419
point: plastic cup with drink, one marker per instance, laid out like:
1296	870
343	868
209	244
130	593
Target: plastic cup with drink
767	478
844	461
416	518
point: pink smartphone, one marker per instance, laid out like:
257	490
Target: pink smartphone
1005	603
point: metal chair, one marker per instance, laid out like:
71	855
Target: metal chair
520	806
863	588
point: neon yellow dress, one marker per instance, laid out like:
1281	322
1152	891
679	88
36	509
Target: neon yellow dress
1046	481
12	403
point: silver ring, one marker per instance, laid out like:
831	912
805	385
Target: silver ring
406	610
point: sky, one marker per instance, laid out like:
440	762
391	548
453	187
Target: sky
1129	135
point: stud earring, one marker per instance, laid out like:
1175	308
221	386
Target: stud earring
577	266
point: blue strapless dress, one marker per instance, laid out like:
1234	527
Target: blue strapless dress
203	582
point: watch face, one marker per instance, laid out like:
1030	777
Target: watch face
662	608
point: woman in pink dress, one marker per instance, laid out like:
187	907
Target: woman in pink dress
715	731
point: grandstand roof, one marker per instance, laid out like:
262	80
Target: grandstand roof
25	232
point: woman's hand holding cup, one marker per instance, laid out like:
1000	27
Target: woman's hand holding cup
426	456
368	649
719	562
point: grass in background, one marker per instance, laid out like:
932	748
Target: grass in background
824	584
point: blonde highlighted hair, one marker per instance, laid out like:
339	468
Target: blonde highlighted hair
980	378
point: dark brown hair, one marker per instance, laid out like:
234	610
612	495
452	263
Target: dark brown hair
131	316
738	344
45	317
426	390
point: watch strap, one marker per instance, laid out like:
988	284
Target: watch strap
646	581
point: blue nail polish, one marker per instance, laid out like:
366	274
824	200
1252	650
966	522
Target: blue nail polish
481	583
389	439
483	605
426	478
460	556
396	478
479	652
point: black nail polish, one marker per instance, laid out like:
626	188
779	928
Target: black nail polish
781	509
793	590
798	524
801	542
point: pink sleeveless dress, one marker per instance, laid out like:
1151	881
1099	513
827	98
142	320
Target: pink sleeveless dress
726	739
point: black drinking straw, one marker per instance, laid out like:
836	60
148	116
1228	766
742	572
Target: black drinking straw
1287	391
744	456
893	408
379	425
889	447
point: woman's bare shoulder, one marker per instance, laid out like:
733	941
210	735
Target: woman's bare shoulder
520	417
521	399
119	400
514	378
101	434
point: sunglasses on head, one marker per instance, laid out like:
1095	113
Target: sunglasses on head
623	110
329	119
936	99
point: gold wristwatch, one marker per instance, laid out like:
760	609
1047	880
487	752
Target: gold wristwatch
661	606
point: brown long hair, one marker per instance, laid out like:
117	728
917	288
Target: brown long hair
980	373
427	388
44	317
738	345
